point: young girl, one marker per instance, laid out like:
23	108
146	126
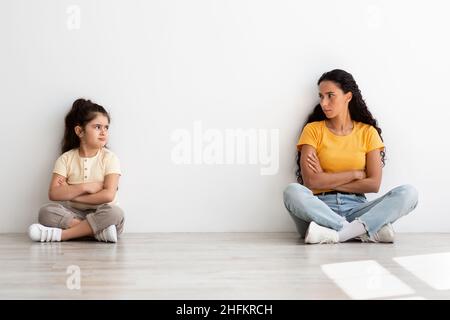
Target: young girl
86	178
340	157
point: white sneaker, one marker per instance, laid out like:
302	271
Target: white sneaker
108	234
319	234
38	232
385	234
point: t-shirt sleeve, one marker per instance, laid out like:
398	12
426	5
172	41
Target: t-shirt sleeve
112	165
61	166
373	140
310	135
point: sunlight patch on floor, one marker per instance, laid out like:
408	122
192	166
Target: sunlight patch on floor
433	269
365	279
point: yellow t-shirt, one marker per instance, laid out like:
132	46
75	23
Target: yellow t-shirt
81	170
340	153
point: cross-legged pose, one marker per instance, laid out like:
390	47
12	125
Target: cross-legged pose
340	157
84	182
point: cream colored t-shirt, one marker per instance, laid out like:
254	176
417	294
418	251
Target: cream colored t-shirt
81	170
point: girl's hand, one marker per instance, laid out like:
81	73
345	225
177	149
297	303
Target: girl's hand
314	163
93	187
62	182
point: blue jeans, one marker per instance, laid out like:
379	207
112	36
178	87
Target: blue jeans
332	209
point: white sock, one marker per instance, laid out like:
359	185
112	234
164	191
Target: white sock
351	230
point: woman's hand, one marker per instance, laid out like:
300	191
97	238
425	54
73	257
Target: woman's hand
314	163
360	174
93	187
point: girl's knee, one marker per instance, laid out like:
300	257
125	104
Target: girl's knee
44	216
118	215
55	215
119	218
115	213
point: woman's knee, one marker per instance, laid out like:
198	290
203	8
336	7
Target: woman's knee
409	194
294	191
294	200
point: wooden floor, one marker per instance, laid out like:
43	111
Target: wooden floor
225	266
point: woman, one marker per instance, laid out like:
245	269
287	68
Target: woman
340	158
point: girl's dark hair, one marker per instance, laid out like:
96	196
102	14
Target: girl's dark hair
81	113
357	107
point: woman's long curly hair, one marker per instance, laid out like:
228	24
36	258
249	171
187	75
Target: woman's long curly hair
357	107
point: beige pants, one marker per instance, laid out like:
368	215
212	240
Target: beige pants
59	215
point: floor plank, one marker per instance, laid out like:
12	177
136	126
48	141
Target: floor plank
219	266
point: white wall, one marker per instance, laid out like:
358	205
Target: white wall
158	66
